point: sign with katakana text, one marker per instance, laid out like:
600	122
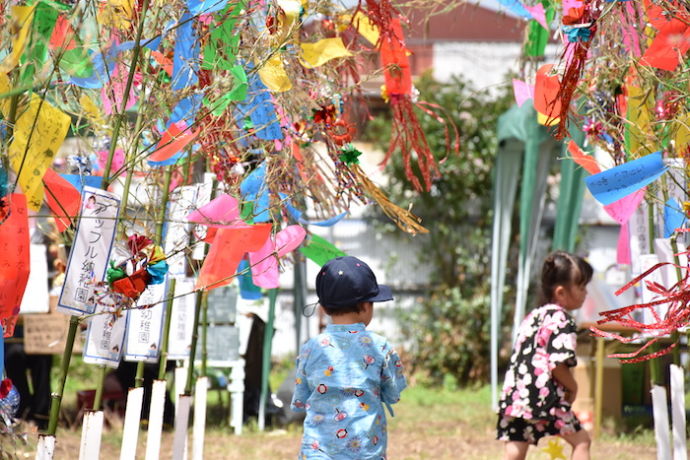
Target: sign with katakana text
88	258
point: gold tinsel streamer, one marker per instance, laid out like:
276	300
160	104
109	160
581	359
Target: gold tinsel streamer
403	218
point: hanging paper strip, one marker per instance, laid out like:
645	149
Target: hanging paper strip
260	110
320	250
36	51
227	249
62	198
106	331
145	325
264	262
21	20
620	181
170	147
182	320
255	190
38	135
199	7
248	290
91	248
186	58
14	244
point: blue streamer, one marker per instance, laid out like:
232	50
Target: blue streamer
100	76
516	7
205	6
297	215
674	217
260	110
254	189
80	181
615	183
248	290
186	110
186	58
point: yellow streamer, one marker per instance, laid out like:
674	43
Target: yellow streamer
22	17
319	53
640	105
93	113
274	76
363	25
50	129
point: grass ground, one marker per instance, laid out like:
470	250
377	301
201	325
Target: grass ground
429	424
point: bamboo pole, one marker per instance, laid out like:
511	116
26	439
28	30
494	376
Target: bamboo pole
56	398
165	340
98	399
128	87
201	298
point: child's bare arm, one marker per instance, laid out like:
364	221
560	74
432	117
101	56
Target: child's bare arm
563	376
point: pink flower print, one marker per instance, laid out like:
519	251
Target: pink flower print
368	360
322	388
326	342
566	341
543	392
299	404
339	416
374	440
315	445
359	393
353	332
341	433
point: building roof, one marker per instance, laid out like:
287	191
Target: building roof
463	22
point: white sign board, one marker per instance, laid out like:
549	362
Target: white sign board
182	320
145	325
88	259
106	332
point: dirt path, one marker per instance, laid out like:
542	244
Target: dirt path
428	425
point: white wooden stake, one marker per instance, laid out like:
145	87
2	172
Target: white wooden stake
200	396
662	432
45	448
680	450
180	380
91	433
153	440
130	432
181	424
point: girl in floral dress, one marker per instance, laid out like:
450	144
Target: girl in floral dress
539	386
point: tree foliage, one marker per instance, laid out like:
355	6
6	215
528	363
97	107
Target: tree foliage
450	329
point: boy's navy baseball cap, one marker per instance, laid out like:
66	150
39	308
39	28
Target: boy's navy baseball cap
345	281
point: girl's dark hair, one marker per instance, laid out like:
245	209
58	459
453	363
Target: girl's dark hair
563	269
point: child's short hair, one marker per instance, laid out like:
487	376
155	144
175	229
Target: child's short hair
337	311
563	269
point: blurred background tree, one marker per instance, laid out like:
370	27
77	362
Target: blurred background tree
449	330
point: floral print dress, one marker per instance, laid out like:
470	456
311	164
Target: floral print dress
344	378
545	339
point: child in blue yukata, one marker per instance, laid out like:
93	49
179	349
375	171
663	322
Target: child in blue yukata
347	374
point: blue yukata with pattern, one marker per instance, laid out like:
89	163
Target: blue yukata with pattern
344	378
